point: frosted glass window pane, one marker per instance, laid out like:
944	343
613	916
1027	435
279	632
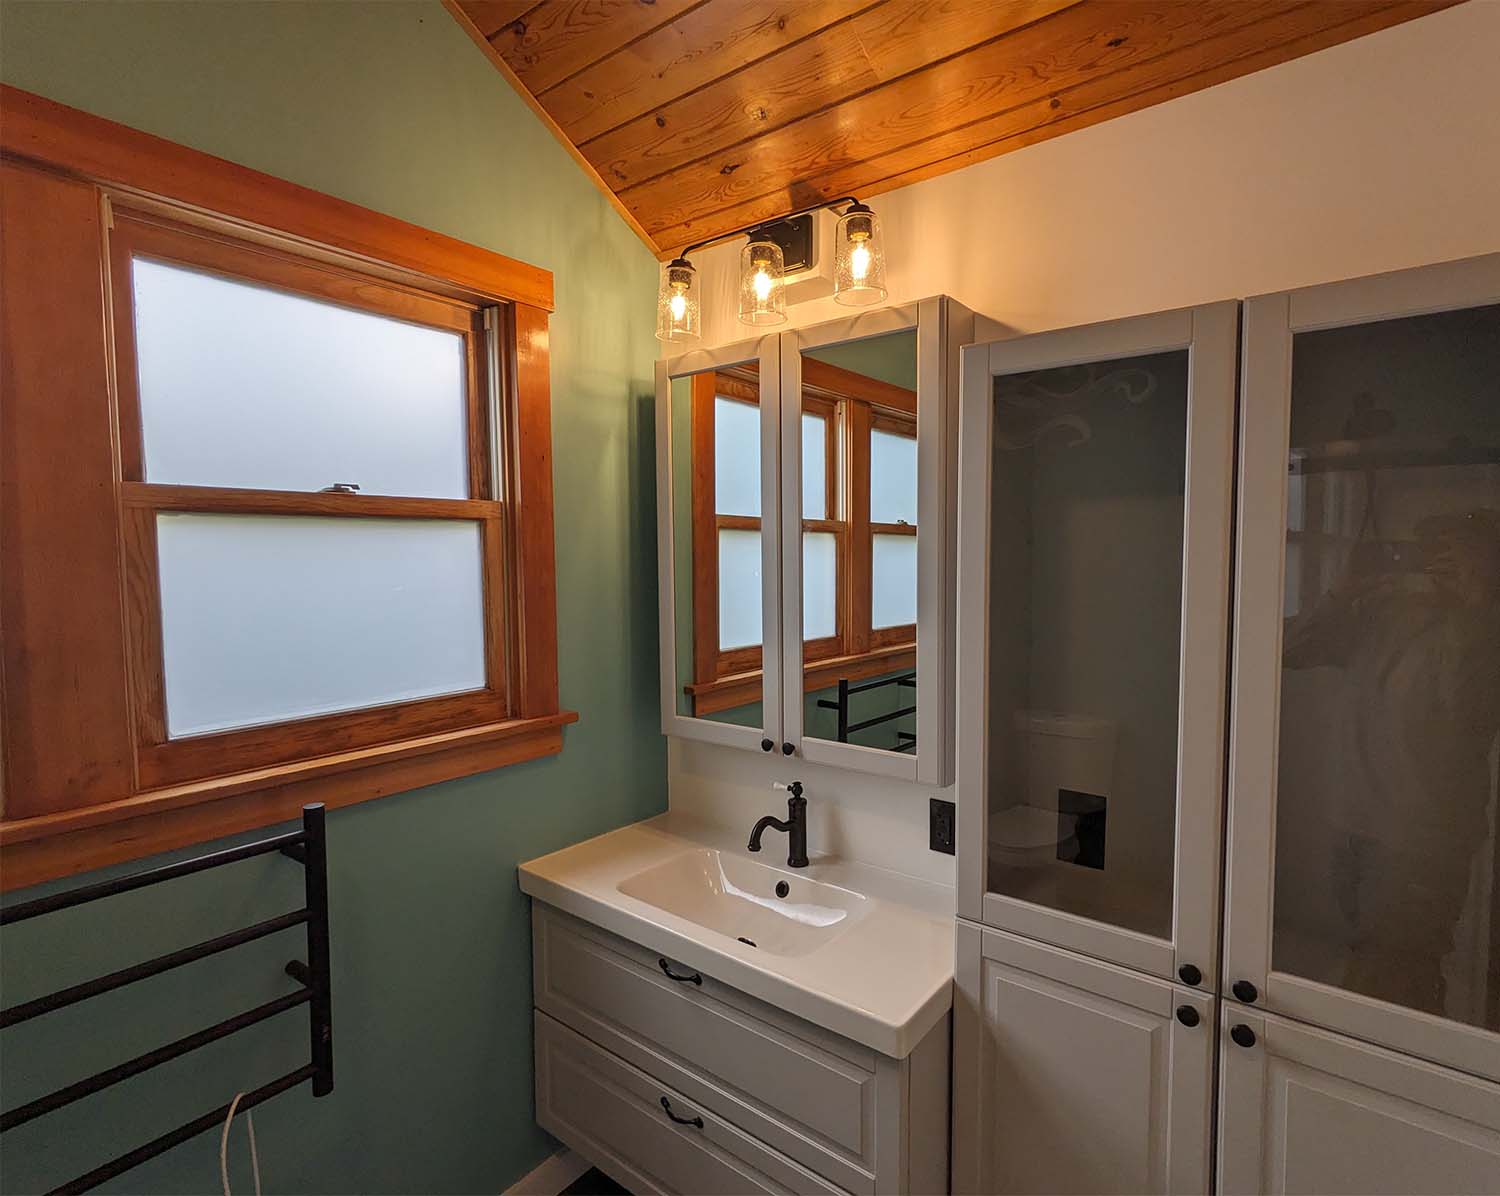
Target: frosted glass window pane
736	458
893	581
268	618
893	478
250	387
739	589
820	568
814	467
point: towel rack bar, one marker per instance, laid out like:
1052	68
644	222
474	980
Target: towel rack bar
139	880
182	1133
151	967
133	1067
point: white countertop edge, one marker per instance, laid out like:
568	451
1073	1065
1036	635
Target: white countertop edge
893	1036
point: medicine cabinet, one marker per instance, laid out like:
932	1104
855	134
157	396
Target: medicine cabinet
806	518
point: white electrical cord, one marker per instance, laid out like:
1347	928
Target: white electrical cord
224	1146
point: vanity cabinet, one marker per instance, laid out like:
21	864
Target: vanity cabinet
806	512
672	1081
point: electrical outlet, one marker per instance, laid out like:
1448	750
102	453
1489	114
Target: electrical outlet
940	825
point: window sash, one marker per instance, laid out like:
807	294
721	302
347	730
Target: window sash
162	761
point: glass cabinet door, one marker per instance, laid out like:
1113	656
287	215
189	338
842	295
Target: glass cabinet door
717	421
1099	499
1369	648
865	549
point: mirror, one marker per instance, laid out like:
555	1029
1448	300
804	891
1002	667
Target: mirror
859	542
716	517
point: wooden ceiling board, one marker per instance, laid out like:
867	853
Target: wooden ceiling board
821	74
699	117
713	40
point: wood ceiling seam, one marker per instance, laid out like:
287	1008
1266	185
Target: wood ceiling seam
684	230
625	45
514	21
841	101
717	79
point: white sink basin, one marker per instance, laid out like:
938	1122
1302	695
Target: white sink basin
737	898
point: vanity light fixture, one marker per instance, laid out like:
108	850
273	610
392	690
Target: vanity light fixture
859	269
677	307
762	296
859	258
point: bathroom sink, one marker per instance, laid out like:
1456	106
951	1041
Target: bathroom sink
739	899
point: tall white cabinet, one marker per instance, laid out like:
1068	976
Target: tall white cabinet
1292	767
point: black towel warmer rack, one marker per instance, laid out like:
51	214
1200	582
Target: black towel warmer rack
310	849
905	740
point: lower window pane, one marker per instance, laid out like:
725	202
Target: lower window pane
739	589
820	571
893	581
271	618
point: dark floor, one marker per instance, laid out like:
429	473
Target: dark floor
593	1182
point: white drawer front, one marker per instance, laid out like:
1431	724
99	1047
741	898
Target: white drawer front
613	1114
809	1094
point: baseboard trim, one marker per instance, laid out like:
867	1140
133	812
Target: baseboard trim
550	1176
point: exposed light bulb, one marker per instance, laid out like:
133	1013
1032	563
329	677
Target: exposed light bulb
762	284
678	305
859	262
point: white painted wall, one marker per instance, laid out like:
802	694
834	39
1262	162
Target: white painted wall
1375	155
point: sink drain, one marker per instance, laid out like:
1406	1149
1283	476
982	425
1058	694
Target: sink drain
782	888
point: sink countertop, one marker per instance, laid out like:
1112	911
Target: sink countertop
884	982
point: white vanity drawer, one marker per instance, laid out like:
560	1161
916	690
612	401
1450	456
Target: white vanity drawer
809	1094
613	1114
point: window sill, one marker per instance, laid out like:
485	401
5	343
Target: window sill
710	697
33	850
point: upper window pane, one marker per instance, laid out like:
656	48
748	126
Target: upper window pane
893	478
736	457
246	386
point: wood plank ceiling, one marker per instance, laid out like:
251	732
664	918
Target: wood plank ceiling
699	117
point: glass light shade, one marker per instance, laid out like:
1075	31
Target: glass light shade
677	307
859	258
762	295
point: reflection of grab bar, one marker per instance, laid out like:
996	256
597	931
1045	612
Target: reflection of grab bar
905	740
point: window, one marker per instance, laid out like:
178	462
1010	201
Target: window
859	528
281	530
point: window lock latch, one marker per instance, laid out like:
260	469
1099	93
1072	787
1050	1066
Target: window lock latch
341	488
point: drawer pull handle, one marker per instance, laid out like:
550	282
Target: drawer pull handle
695	1122
671	975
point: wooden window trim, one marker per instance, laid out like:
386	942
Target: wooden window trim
78	793
854	405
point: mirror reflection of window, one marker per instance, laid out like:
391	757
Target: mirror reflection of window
859	542
716	496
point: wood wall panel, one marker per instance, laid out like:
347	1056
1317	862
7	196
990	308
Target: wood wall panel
701	118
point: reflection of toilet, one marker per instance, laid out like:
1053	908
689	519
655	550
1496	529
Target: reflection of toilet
1063	769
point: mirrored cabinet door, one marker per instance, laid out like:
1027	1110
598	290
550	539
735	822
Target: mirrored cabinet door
717	427
1364	874
1094	530
866	462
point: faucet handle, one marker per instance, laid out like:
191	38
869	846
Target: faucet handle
794	787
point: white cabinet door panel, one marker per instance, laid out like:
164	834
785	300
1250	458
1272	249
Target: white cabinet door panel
1073	1076
1306	1111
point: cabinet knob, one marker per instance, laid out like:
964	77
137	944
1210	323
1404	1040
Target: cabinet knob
787	749
1242	1034
1189	974
1244	991
1187	1015
766	745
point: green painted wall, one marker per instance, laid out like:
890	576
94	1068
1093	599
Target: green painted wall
389	105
